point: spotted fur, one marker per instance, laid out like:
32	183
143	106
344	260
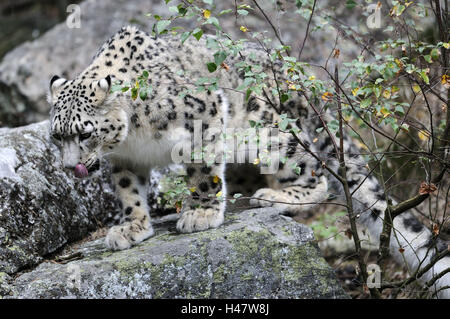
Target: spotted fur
90	122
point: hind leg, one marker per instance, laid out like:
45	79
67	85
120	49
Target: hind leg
298	185
295	197
204	209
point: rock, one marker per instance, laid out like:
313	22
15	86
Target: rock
255	254
5	287
26	19
42	206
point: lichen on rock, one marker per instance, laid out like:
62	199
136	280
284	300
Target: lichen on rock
241	259
42	206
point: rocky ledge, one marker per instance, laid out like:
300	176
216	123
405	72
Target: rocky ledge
256	254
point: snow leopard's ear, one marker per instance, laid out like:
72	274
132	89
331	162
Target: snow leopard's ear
102	88
56	84
105	84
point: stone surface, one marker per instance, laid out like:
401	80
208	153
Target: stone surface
5	286
255	254
42	206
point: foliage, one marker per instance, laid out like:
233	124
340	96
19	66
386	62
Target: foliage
324	226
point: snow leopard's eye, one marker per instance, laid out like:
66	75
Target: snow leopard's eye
56	136
85	136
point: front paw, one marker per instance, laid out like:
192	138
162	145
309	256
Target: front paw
126	235
264	197
199	219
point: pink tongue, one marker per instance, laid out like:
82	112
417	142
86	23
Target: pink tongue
81	171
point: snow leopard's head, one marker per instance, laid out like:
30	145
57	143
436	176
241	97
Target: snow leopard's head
83	122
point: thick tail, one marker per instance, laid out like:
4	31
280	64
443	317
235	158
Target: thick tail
412	244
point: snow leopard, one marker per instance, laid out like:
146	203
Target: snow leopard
90	121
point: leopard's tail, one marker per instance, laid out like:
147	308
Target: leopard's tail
411	243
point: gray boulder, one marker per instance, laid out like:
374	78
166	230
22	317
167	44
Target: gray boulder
255	254
42	206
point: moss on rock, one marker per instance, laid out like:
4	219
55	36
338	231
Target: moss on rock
244	258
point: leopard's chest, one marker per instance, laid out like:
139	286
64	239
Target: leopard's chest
148	149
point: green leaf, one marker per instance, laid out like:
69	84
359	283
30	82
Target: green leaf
246	83
219	57
333	126
197	33
242	12
181	10
365	103
400	10
435	54
134	93
116	88
428	58
377	91
184	36
145	74
289	59
399	109
210	2
424	77
350	4
283	125
211	66
143	95
162	25
247	94
213	21
284	97
225	11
